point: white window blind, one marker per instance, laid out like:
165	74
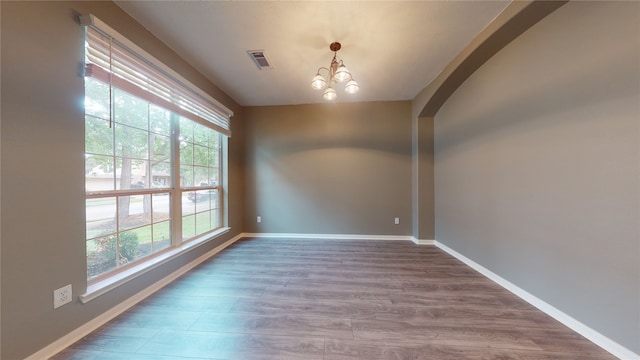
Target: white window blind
115	60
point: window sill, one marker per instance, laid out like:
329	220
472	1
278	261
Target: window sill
103	286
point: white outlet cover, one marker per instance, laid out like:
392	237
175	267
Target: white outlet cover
62	296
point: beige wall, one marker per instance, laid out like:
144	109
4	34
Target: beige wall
537	165
42	139
330	168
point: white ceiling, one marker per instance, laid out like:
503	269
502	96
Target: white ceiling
392	48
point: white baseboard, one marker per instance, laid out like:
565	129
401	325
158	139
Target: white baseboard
423	241
85	329
340	237
328	236
597	338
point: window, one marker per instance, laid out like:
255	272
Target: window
154	148
199	175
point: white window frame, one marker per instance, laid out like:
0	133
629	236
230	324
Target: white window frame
113	278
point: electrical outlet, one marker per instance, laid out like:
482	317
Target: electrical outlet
62	296
259	219
397	221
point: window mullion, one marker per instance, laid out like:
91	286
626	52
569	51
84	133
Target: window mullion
221	175
176	193
112	126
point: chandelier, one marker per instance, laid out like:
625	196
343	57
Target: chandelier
335	73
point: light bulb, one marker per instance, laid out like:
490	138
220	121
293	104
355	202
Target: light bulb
352	87
330	94
318	82
342	74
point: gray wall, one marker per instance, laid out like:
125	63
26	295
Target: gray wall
330	168
537	165
42	139
423	178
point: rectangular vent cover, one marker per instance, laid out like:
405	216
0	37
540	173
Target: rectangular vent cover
260	58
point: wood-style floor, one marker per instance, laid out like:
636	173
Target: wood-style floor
285	299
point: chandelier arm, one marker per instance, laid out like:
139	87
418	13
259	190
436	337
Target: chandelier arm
322	68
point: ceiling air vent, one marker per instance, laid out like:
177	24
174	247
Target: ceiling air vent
260	58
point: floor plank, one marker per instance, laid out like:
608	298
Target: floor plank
332	300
